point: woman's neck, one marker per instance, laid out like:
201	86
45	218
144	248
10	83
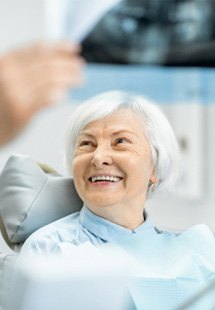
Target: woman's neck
129	218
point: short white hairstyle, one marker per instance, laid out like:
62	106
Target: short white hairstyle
160	135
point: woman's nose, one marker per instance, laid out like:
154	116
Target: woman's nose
101	156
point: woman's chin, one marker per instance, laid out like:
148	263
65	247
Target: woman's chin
100	201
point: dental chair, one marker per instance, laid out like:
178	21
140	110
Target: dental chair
31	196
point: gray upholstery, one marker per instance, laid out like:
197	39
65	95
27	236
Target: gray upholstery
31	198
7	262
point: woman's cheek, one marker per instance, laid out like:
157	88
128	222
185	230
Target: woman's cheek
81	162
75	166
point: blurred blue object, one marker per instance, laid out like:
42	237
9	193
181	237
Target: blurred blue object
167	85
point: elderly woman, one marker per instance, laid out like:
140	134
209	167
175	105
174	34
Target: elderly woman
120	150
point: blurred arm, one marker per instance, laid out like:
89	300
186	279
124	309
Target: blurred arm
32	78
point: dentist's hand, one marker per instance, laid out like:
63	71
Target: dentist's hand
32	78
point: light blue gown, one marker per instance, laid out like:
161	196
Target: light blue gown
172	267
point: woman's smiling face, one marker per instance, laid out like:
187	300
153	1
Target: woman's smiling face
112	163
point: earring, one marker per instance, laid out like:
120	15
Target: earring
152	186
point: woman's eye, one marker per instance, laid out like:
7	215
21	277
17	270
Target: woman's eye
122	140
86	143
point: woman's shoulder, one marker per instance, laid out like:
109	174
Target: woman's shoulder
48	236
196	232
64	223
200	232
197	239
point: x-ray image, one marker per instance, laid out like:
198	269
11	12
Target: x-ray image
166	32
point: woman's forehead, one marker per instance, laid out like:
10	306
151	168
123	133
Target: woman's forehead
123	118
120	122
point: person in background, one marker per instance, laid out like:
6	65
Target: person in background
32	78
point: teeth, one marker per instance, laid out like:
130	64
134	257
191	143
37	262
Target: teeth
105	178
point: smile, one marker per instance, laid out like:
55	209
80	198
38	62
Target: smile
106	178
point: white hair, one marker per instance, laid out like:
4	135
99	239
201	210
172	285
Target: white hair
162	140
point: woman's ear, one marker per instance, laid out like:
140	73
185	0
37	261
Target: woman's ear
153	179
153	182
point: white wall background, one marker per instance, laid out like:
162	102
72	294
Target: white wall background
179	213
